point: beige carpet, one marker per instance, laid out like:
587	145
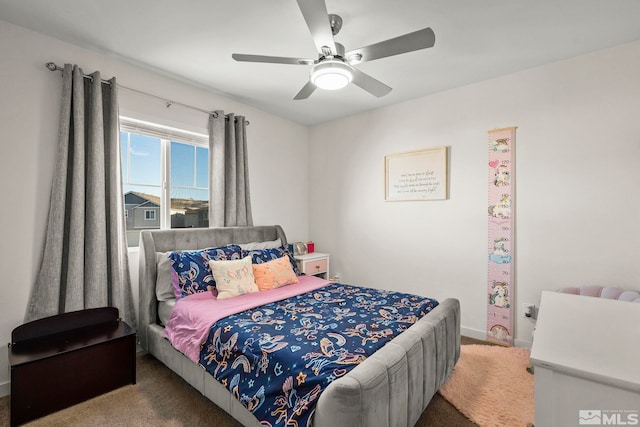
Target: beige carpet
491	386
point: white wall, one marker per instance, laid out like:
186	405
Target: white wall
577	175
29	109
577	179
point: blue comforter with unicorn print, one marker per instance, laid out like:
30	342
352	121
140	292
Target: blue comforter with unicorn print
277	358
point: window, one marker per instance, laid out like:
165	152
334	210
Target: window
165	174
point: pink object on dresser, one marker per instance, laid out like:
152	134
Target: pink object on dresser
607	292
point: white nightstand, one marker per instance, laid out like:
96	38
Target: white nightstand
314	264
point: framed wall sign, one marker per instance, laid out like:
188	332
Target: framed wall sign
416	175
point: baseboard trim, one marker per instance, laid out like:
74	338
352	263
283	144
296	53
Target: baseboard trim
473	333
482	335
523	344
5	388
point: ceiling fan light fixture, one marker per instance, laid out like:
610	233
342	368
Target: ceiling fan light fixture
331	74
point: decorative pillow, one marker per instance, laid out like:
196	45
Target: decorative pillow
261	245
193	273
233	278
274	274
264	255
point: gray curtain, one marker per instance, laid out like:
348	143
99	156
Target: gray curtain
84	262
229	200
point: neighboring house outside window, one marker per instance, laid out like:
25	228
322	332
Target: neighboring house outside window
145	210
165	177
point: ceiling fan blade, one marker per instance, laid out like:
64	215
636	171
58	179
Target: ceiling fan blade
417	40
271	59
317	18
368	83
305	91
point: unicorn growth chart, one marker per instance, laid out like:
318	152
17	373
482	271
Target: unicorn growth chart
501	274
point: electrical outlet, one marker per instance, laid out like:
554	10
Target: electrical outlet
528	310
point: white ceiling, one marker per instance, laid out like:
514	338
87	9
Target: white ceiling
193	40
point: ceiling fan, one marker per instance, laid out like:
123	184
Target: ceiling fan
334	67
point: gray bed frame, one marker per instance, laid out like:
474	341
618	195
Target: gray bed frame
391	388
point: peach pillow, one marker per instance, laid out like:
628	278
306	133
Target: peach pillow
233	278
274	274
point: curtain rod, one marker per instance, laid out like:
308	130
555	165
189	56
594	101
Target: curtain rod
52	66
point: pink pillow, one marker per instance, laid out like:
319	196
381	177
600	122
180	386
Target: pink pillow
274	274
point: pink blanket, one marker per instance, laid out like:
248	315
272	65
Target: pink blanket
193	316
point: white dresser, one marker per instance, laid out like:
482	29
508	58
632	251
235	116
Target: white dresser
586	354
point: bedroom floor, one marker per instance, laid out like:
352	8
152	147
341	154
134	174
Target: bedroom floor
162	398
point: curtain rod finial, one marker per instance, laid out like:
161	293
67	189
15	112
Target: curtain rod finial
52	66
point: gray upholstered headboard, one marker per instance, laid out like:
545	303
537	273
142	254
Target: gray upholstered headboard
153	241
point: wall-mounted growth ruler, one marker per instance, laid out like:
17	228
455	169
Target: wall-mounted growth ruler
501	243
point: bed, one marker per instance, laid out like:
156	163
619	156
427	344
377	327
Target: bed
392	387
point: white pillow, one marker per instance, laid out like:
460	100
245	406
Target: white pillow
233	278
253	246
164	286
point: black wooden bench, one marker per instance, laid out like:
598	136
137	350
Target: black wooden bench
62	360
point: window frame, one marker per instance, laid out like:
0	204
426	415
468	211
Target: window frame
166	134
